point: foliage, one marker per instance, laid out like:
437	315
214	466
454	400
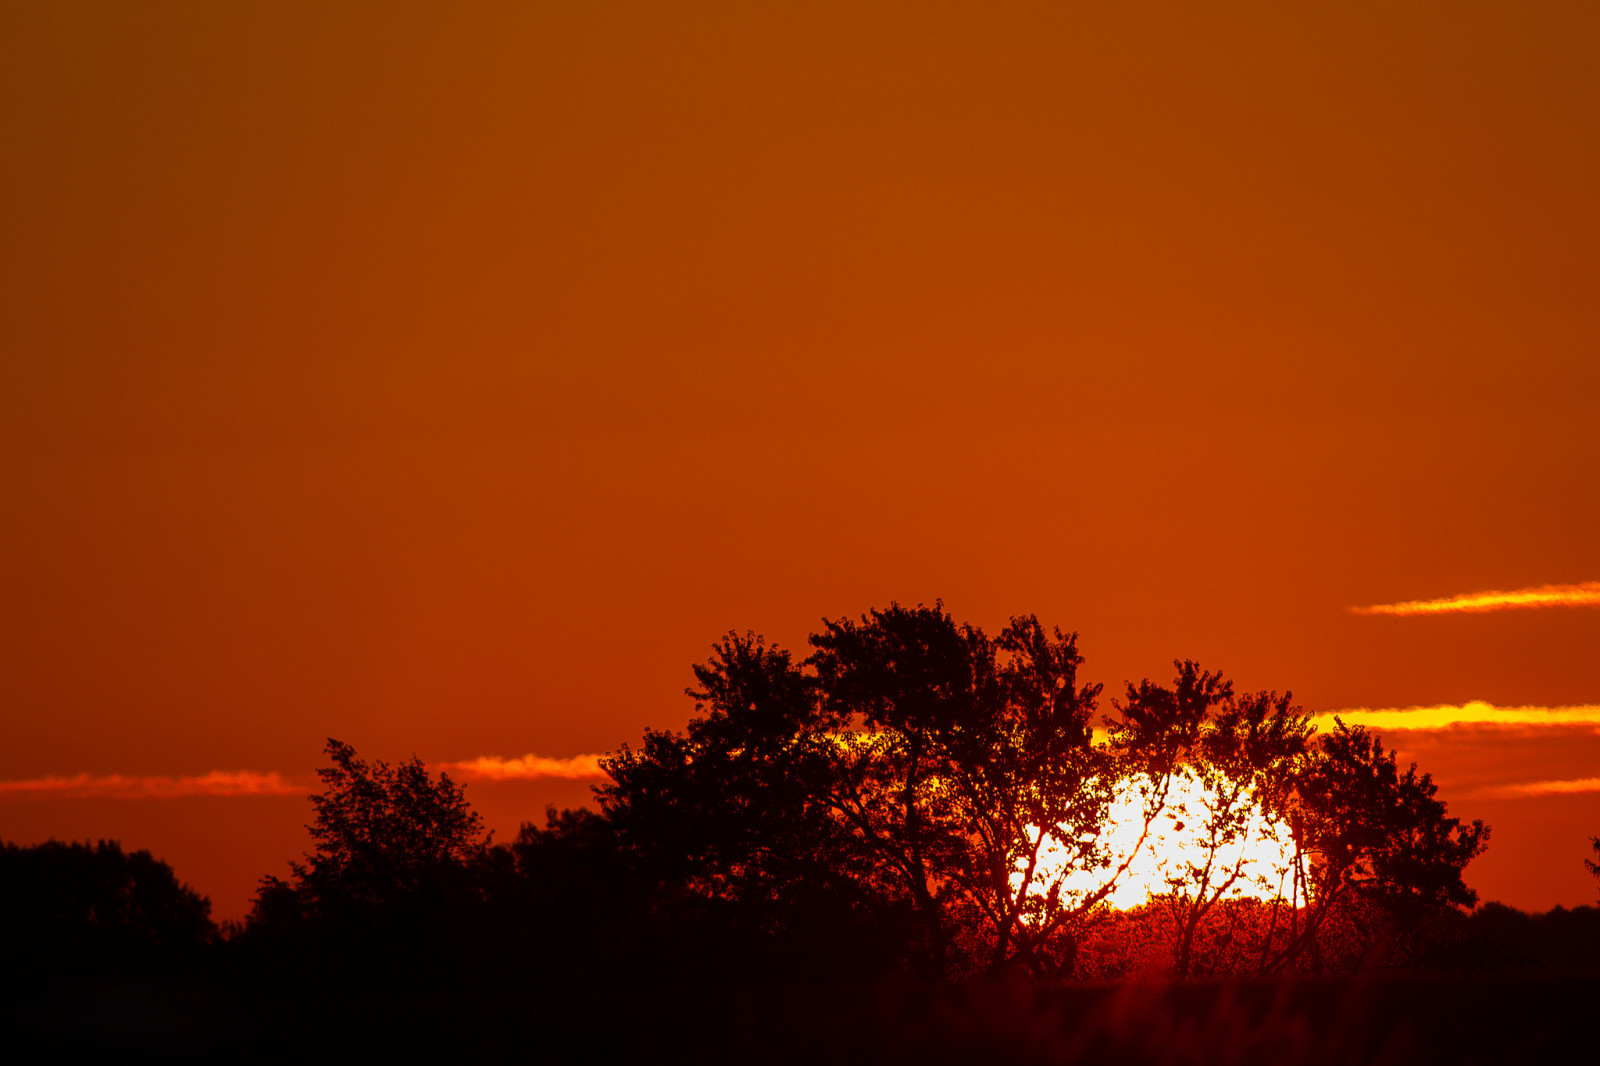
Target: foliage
1368	831
730	817
914	795
962	759
383	835
1242	753
917	770
71	905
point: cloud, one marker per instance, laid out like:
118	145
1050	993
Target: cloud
253	783
1476	713
1542	788
119	786
1583	594
525	768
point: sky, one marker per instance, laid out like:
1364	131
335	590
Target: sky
447	378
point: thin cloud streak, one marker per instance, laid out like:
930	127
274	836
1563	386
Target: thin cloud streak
1542	788
526	768
1583	594
254	783
120	786
1474	714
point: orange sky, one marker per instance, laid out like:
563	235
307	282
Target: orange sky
446	382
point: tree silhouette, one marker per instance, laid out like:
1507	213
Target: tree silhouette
1044	792
963	761
382	834
1368	833
70	906
729	821
1236	757
916	695
950	786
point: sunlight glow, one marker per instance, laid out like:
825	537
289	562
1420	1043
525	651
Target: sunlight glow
1583	594
1175	844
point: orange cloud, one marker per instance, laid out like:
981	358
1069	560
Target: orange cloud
119	786
1543	788
1475	713
526	767
1583	594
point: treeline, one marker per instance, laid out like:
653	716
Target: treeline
915	799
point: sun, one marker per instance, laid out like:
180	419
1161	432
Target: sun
1173	849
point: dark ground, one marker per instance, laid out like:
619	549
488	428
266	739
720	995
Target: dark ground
1460	1020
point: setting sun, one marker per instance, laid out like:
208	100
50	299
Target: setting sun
1148	859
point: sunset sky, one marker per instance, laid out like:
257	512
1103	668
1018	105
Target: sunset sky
446	378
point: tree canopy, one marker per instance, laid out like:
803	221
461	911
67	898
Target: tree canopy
65	905
961	784
383	835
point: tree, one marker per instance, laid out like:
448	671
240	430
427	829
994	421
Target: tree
70	906
919	773
915	775
1231	759
1369	834
383	834
1040	800
900	785
916	698
964	763
728	820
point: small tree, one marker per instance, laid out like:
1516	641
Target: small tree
1372	836
382	833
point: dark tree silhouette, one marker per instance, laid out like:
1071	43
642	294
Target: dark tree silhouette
914	795
908	784
1043	792
1369	834
966	761
918	697
1237	755
915	773
383	834
71	906
728	821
